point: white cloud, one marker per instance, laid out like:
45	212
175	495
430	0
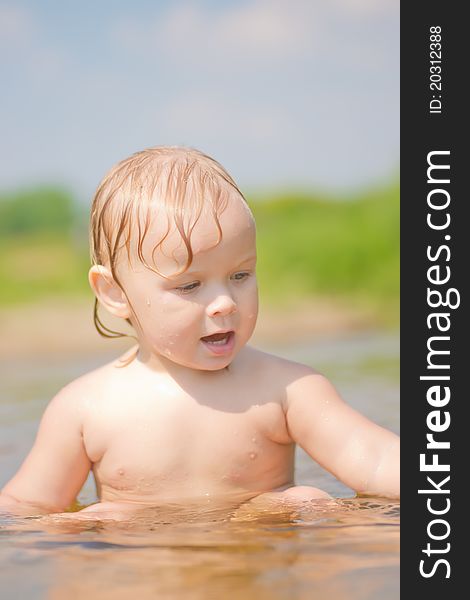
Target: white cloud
259	30
366	7
235	120
16	28
243	81
24	44
263	34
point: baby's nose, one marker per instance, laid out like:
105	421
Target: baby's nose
222	306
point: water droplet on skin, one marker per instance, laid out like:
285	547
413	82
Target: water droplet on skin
148	302
121	471
254	440
253	455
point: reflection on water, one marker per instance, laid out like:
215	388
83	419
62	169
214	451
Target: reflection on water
345	551
348	548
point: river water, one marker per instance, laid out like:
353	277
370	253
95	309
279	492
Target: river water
348	549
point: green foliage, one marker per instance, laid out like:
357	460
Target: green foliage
339	248
343	248
46	209
42	265
43	245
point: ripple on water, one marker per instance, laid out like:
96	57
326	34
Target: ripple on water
351	541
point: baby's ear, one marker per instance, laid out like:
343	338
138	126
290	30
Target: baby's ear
108	292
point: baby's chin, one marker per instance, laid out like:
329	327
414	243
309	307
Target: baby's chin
204	365
200	357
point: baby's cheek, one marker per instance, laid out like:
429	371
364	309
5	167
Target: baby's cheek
252	316
173	342
252	307
250	319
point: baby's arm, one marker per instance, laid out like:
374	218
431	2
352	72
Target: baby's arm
57	466
361	454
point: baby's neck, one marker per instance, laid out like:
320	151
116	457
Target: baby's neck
156	364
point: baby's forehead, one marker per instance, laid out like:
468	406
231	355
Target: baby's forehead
168	244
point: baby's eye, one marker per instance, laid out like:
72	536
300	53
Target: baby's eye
240	276
186	289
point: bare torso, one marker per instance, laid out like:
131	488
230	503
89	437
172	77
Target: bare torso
155	438
170	434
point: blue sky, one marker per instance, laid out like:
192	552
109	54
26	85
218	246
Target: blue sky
300	93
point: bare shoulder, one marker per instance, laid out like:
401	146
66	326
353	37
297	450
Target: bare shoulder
277	367
79	395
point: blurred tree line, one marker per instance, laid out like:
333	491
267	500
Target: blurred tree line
46	209
43	245
344	248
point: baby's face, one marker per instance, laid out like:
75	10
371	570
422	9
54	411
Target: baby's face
204	316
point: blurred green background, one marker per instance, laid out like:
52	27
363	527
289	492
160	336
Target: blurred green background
311	246
292	96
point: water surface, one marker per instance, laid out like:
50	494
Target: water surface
348	549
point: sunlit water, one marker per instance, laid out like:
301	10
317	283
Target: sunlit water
347	549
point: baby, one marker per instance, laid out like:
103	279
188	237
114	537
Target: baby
192	412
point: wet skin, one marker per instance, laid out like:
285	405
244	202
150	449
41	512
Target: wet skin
198	414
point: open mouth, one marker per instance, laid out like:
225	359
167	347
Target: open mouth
219	343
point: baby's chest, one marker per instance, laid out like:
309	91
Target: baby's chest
174	444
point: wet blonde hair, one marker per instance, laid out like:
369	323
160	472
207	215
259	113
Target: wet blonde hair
174	182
